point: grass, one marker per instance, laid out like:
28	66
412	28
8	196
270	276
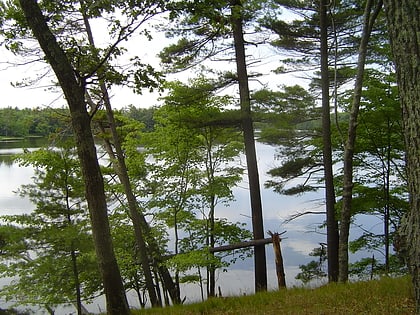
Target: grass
385	296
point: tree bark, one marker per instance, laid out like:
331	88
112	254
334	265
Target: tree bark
404	30
369	18
250	153
74	90
332	224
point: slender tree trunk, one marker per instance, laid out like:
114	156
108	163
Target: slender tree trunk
73	254
368	21
387	198
211	268
74	91
76	281
249	140
140	225
122	174
404	30
332	225
134	214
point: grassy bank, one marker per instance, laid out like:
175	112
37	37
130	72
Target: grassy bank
386	296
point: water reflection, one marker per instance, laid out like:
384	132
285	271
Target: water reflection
10	147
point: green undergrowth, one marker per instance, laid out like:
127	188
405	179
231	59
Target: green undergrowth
385	296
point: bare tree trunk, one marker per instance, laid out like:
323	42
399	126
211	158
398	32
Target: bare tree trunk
404	29
250	153
332	224
74	91
369	18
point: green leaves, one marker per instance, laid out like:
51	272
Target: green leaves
190	159
44	249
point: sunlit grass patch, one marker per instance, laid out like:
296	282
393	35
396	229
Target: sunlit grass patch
385	296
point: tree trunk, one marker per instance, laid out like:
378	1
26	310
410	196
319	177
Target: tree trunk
73	253
404	30
332	225
74	90
250	153
211	269
122	174
368	21
121	170
141	228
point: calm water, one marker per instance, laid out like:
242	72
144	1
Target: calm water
300	239
12	175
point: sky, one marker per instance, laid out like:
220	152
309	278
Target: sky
43	95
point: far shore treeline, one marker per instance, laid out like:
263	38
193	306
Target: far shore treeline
44	121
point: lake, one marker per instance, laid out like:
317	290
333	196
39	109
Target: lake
301	237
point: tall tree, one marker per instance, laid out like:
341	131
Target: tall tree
379	159
318	38
260	265
332	225
404	30
193	170
370	14
337	20
73	85
116	155
208	22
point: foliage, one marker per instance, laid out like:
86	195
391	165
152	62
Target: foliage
314	270
193	169
290	120
41	122
371	268
13	312
50	250
379	175
144	115
66	20
189	164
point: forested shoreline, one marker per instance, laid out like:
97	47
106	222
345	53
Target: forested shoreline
43	122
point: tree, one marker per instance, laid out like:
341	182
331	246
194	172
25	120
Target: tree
55	236
404	32
138	171
340	27
332	225
316	38
205	23
73	84
380	186
237	20
192	171
369	17
314	270
218	147
116	155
